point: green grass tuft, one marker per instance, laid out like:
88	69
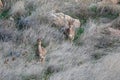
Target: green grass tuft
31	56
83	20
93	8
4	14
111	15
29	77
78	34
47	75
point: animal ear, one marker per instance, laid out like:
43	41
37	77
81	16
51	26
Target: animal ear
39	39
71	22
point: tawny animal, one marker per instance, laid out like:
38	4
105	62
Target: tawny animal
41	51
70	32
1	4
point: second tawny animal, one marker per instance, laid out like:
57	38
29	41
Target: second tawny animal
41	51
70	32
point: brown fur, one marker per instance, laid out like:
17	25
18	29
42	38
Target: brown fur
41	51
70	32
1	4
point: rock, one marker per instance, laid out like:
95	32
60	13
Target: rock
11	19
61	20
13	53
109	2
17	54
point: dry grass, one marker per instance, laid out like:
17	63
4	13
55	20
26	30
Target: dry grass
95	58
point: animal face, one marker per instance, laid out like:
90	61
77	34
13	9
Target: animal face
39	41
70	23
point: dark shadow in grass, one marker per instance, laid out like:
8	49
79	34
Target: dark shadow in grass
50	70
21	23
97	56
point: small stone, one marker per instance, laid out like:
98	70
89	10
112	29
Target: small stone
17	54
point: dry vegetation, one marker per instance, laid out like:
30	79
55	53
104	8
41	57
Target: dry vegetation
93	55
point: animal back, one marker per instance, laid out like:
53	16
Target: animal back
44	51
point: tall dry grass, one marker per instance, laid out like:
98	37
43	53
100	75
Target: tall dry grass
95	58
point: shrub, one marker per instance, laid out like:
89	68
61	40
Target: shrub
47	75
31	57
78	34
93	8
4	14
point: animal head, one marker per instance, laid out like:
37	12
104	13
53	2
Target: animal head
39	41
70	23
70	30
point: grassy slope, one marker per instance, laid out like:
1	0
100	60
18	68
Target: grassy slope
95	58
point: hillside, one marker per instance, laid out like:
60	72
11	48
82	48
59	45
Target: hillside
93	54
